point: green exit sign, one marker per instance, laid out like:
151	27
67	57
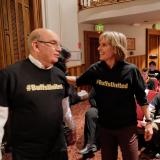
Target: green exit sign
99	28
156	26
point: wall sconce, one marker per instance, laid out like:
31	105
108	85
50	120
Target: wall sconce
152	56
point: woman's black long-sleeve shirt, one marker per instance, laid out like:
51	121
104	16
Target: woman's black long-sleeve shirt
116	90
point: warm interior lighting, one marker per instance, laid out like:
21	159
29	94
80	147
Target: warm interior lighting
136	24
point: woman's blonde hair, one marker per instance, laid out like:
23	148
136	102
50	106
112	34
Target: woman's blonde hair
118	41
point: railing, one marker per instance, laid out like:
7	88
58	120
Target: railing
84	4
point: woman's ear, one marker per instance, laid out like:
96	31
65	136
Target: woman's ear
115	49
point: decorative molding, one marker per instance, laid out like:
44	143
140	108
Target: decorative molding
84	4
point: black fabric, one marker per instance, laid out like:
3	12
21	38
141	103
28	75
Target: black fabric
116	90
125	138
156	103
151	84
153	146
73	96
61	65
91	128
61	155
91	98
35	98
68	134
154	74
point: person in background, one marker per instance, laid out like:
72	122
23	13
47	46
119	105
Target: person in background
74	96
117	84
91	129
36	93
144	74
152	148
149	82
153	72
64	57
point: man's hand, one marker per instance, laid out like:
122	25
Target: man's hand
148	132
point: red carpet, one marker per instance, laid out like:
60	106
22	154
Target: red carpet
78	112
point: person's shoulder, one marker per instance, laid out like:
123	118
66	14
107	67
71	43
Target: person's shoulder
130	66
97	64
58	71
15	66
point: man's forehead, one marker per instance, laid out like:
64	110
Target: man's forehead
51	36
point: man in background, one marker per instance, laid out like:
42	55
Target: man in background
153	72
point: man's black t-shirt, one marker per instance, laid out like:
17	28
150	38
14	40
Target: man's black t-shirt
34	97
116	90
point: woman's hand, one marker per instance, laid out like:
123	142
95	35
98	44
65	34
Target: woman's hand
148	132
71	79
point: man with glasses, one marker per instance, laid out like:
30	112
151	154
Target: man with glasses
36	93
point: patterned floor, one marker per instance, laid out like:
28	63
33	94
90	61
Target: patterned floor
79	111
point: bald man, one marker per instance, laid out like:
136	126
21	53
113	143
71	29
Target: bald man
36	93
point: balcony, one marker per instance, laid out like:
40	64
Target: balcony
119	11
84	4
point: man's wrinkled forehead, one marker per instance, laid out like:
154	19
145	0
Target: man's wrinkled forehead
50	36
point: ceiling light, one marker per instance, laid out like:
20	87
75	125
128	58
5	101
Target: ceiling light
136	24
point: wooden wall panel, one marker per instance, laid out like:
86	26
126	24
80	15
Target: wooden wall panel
27	28
14	32
8	55
22	37
17	19
77	71
153	46
36	12
139	61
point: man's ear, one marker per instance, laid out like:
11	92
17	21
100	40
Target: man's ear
35	46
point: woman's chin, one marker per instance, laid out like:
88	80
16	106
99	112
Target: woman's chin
101	59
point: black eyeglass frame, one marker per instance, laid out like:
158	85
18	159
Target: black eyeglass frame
53	43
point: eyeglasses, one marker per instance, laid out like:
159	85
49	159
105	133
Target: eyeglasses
52	43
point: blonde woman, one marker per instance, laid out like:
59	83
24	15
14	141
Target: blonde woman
117	83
